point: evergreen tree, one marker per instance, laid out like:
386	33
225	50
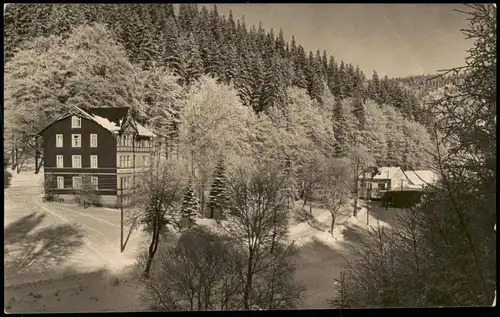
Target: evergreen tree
280	44
340	133
18	26
192	65
218	200
374	88
314	79
339	87
190	204
172	48
359	109
349	81
331	73
65	17
273	88
324	63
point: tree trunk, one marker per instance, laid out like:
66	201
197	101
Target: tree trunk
309	193
274	233
355	213
202	200
310	206
153	246
249	282
332	225
40	164
16	158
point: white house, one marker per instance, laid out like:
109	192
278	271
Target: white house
421	178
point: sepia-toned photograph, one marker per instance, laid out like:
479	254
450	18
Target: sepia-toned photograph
248	156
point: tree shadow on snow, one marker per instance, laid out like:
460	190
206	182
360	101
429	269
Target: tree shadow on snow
302	215
28	248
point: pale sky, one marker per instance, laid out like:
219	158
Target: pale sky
394	39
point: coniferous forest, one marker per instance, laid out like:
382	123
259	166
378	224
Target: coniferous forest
260	64
258	143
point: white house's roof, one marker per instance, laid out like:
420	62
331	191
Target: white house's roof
386	172
421	177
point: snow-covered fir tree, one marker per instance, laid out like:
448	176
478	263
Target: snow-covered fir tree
190	204
218	199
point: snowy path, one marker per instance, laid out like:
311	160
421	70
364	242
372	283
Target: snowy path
321	257
100	245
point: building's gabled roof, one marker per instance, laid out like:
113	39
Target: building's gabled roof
386	172
111	119
421	177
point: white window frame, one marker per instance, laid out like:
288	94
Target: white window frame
94	181
60	182
93	140
76	137
73	159
77	180
61	158
76	122
92	158
59	140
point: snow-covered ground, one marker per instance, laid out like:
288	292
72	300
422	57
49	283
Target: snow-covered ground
321	254
56	242
76	252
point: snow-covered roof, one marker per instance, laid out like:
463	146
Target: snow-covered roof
144	131
111	119
386	172
421	177
105	123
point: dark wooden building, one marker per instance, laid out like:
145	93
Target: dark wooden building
105	146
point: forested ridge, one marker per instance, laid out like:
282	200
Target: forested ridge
260	64
195	41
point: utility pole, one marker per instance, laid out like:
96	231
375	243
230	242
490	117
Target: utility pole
121	214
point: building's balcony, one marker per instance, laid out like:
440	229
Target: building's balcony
122	148
127	170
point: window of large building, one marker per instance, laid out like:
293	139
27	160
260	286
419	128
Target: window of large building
59	140
76	122
93	161
76	140
60	181
76	161
77	182
59	161
93	140
94	181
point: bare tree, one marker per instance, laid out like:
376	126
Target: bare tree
87	195
258	224
200	271
334	190
360	159
159	194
